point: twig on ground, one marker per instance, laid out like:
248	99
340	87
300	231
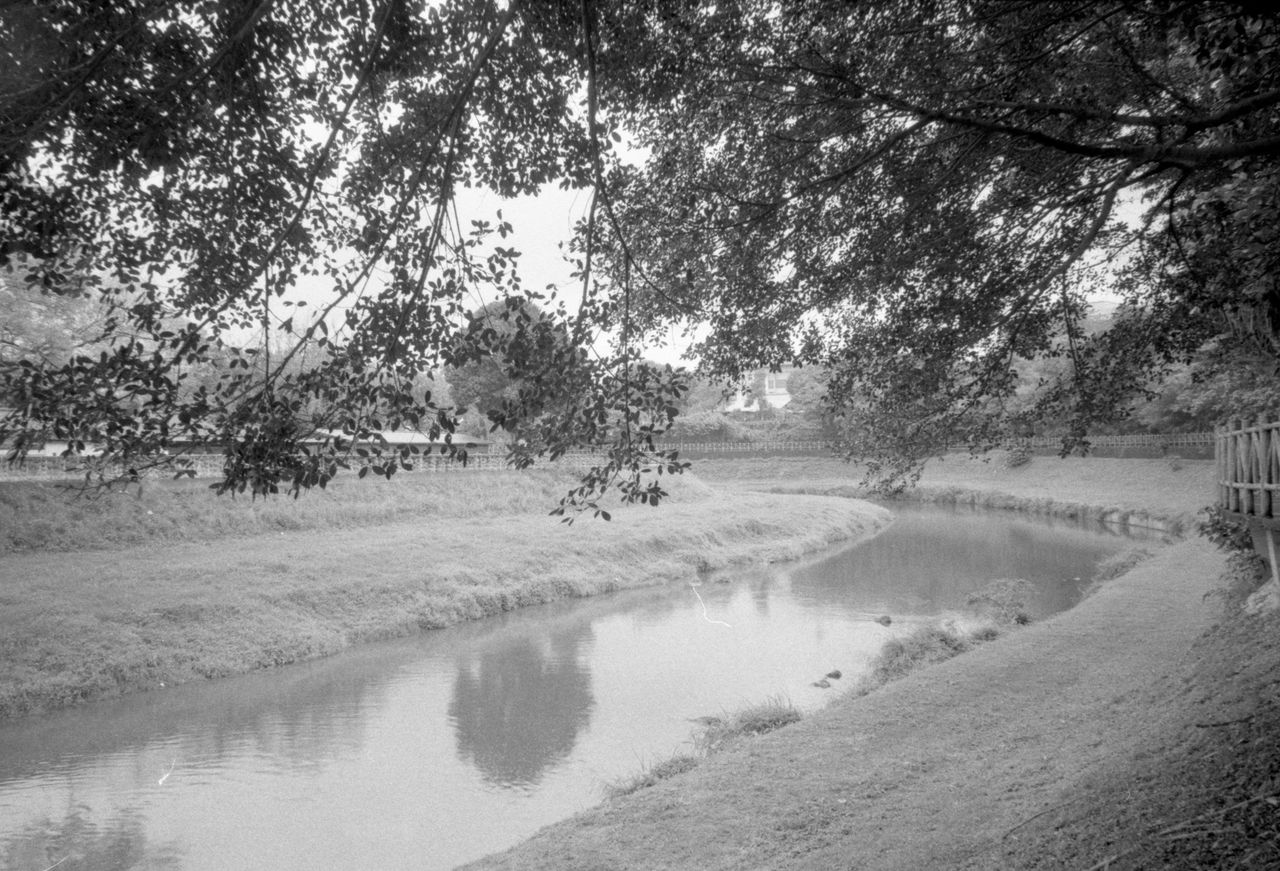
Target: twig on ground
1224	722
1037	816
1217	813
1169	830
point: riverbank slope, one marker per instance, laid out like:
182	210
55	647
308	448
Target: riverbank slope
1134	731
205	588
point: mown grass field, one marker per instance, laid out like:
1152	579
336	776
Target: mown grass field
114	594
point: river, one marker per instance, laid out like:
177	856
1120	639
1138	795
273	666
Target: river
431	751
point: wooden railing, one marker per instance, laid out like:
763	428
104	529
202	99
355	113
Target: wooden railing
1248	458
1130	440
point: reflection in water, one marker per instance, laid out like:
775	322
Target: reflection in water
428	752
76	843
926	562
518	708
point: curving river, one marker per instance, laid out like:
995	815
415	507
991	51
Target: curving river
431	751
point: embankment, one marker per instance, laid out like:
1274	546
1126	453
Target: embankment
1133	731
192	604
1164	495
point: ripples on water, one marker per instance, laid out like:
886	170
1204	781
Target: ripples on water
428	752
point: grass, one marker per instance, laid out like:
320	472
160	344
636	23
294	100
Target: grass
225	588
652	775
997	606
1144	493
54	516
716	735
1116	565
925	646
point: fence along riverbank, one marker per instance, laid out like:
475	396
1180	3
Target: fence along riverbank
207	465
1248	460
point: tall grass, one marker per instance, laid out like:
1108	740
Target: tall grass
48	516
715	735
923	647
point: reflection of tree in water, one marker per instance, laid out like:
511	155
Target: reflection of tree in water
518	707
79	844
929	561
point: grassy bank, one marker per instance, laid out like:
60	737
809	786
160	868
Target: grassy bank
998	607
1134	731
63	516
715	735
186	586
1158	494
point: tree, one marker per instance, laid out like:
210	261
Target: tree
43	326
487	384
912	195
201	160
916	195
808	389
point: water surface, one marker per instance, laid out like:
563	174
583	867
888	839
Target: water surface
428	752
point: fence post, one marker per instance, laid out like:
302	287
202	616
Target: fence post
1261	463
1273	464
1220	461
1244	497
1233	502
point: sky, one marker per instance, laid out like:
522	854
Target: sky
541	223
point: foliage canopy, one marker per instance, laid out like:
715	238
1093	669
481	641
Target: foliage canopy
912	195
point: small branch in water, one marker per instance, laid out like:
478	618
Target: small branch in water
705	616
59	862
167	773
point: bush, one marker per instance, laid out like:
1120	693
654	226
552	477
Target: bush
1230	535
708	426
1019	455
1005	600
926	646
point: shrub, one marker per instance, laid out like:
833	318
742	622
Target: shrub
1018	455
1004	600
1229	535
926	646
1245	573
708	426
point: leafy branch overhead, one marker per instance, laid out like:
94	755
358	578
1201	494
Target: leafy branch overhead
260	197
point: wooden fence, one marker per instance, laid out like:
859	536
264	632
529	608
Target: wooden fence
1132	440
210	465
1248	458
806	447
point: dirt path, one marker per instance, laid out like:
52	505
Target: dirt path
937	770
